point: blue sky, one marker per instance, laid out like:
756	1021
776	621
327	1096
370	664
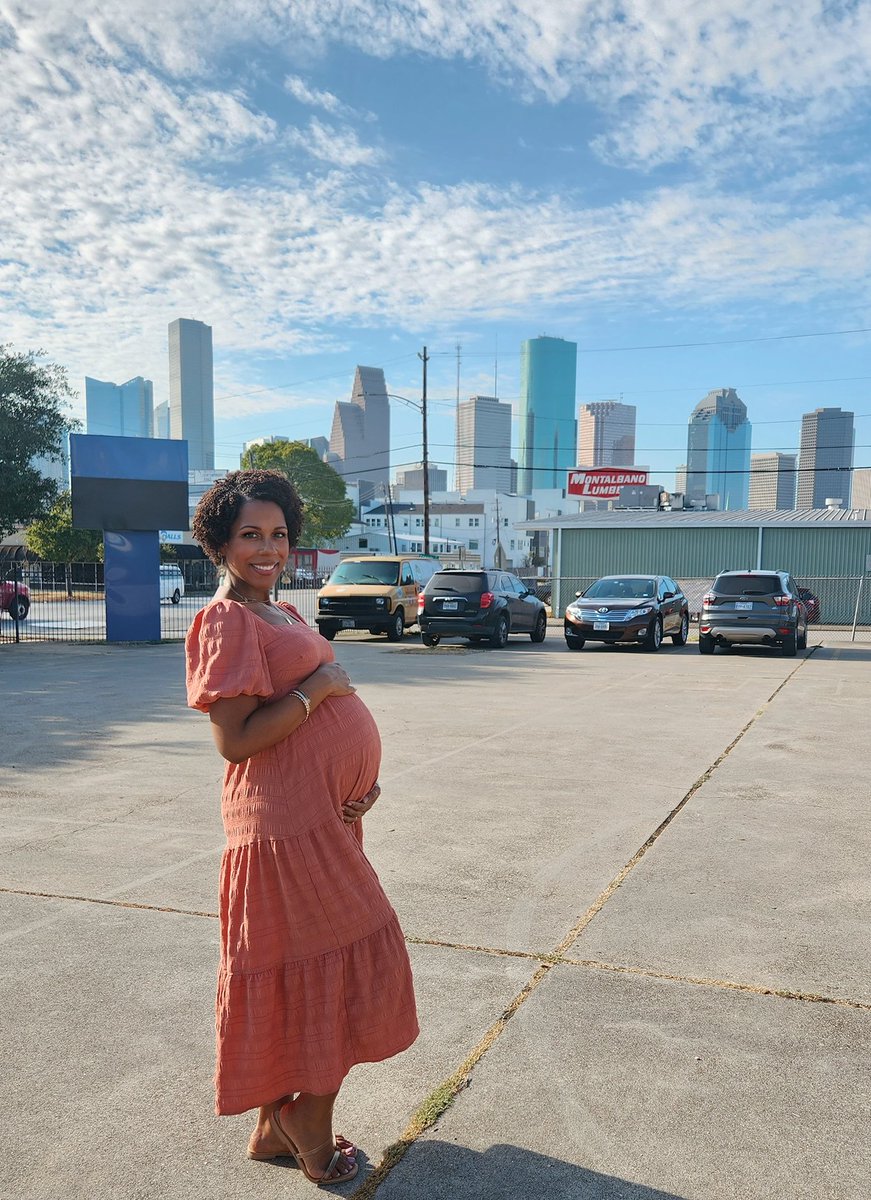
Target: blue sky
329	184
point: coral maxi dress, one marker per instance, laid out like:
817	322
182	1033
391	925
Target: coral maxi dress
314	975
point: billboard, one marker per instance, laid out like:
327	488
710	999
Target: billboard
604	483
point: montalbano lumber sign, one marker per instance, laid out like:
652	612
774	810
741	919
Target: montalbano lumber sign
604	483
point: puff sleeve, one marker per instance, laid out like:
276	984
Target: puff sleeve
225	656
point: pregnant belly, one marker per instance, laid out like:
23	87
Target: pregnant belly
347	738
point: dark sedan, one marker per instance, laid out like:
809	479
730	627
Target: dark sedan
628	608
484	606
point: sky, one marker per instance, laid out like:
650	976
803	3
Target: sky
682	189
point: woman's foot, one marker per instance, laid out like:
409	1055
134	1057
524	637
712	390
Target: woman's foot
306	1127
266	1142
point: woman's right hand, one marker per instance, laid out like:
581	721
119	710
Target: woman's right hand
333	680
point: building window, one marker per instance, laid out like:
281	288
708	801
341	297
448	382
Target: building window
473	545
475	522
364	543
457	522
512	546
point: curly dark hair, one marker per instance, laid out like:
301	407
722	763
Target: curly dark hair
222	503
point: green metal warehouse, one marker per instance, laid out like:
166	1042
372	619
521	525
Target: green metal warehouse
826	549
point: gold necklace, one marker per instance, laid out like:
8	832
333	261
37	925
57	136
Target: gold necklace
254	600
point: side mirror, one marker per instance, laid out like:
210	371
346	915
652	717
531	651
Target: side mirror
578	595
668	595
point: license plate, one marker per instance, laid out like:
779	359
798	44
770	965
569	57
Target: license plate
744	604
347	623
450	606
606	625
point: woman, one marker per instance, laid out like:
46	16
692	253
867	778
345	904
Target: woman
314	975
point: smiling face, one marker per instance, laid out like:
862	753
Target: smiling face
257	550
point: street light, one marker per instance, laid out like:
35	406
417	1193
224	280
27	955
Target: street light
421	407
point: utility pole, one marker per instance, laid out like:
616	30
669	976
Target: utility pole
425	359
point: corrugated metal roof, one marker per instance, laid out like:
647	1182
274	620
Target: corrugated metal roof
790	518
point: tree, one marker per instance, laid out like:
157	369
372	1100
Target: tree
328	511
33	424
53	538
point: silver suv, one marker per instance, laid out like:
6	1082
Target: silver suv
746	608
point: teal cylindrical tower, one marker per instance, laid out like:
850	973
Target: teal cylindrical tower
548	426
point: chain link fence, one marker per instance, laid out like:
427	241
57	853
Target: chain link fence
65	602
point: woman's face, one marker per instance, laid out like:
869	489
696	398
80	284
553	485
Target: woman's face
257	549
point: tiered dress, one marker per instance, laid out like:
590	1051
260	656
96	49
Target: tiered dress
314	975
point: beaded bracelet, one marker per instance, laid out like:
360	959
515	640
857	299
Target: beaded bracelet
304	700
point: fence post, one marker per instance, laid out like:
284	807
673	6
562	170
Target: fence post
15	603
856	610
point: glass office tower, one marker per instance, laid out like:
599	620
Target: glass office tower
718	450
547	425
119	409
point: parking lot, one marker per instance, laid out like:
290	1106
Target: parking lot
635	890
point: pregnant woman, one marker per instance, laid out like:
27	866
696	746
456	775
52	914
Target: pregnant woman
314	975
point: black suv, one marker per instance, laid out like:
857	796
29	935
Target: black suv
484	606
755	608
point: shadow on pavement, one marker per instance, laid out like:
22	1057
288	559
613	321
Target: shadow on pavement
438	1170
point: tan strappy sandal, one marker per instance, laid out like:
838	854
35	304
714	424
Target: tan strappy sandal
327	1176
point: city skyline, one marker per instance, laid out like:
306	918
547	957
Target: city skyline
685	199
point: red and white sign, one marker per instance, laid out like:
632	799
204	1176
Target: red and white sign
604	483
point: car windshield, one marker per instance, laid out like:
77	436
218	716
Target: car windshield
466	583
739	584
623	587
366	572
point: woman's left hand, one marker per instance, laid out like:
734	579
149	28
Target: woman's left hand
354	809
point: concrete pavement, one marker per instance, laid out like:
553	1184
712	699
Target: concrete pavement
675	921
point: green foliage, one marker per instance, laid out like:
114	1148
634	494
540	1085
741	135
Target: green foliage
328	511
32	424
53	538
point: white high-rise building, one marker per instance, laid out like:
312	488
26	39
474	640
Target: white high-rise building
772	481
861	494
825	458
119	409
360	435
483	445
161	420
606	434
192	391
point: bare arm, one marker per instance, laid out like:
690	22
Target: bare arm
242	726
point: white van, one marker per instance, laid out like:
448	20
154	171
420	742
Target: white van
171	582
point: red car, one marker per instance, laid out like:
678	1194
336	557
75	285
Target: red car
14	599
811	605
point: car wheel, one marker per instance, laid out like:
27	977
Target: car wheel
327	631
789	645
176	596
499	636
575	643
540	632
430	639
19	608
396	628
680	639
654	635
706	644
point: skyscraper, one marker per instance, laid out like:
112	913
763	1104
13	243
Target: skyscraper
718	450
360	436
772	481
192	391
825	458
547	426
483	444
119	409
161	420
861	489
606	434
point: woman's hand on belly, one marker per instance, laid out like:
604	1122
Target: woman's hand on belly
353	810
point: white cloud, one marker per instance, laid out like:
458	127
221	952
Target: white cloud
312	97
128	199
